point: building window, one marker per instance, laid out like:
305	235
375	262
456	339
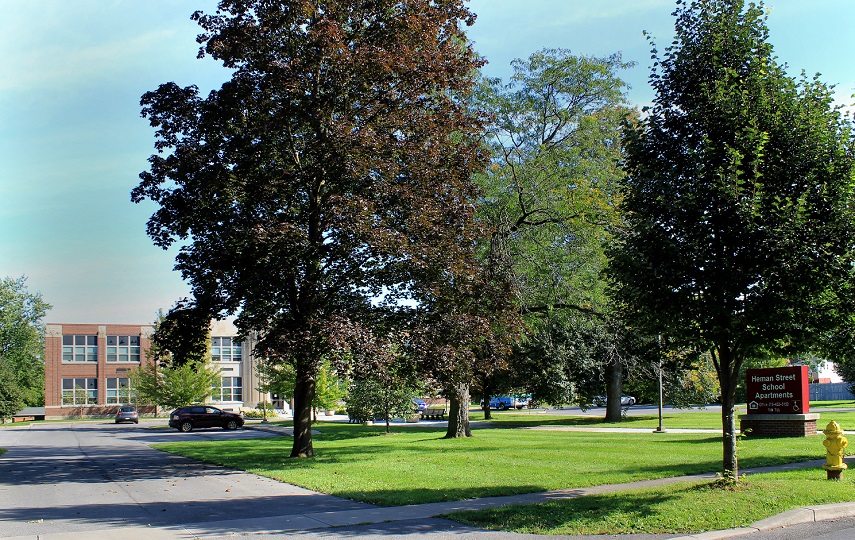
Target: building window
123	349
79	348
231	389
79	391
225	349
118	391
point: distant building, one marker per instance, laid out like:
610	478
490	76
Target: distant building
87	366
827	374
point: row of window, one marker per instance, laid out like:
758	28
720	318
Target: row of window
84	390
79	348
231	389
85	349
226	349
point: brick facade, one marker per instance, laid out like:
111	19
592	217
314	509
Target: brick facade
56	369
779	425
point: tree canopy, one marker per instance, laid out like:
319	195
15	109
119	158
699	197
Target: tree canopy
182	336
550	207
738	198
22	338
325	188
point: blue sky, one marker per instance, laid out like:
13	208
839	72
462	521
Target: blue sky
72	142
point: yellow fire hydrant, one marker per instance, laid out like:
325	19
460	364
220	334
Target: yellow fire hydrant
834	444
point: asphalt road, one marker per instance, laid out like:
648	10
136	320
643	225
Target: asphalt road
86	476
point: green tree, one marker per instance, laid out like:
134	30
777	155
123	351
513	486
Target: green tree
22	338
551	193
738	199
182	336
333	168
174	386
11	397
330	389
373	399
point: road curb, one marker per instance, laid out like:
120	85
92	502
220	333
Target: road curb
796	516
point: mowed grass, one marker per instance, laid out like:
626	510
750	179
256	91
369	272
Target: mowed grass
696	419
688	508
416	465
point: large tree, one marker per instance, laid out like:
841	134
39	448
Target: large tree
738	197
551	192
22	338
327	184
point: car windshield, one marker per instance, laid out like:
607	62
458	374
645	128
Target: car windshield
128	409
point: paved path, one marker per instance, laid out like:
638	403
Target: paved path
110	485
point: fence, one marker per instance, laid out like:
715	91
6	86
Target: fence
830	391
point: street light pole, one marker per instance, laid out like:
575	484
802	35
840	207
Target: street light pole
660	429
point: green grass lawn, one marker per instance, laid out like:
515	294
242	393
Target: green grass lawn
839	404
416	465
686	508
694	419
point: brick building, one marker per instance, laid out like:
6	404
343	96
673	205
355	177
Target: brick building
87	365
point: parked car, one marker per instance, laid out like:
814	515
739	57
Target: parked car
127	414
625	401
507	402
203	416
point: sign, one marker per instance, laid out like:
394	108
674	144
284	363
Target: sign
777	390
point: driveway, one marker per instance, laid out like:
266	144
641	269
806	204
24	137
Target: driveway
86	476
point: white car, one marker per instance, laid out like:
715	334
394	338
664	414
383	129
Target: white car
625	401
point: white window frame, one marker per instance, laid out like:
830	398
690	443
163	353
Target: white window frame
228	389
80	391
81	349
116	394
226	349
123	349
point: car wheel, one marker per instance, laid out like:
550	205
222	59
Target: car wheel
502	406
185	426
137	422
231	424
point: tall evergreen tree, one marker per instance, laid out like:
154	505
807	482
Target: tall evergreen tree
739	199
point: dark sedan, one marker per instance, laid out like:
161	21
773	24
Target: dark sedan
203	416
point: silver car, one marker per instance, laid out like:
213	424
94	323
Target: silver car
127	414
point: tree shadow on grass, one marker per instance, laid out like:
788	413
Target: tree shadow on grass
591	514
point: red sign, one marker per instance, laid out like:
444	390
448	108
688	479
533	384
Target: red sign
777	390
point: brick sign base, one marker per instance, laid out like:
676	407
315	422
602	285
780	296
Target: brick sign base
778	425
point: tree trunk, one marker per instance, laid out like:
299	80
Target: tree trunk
727	367
458	413
614	389
488	414
728	432
304	391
